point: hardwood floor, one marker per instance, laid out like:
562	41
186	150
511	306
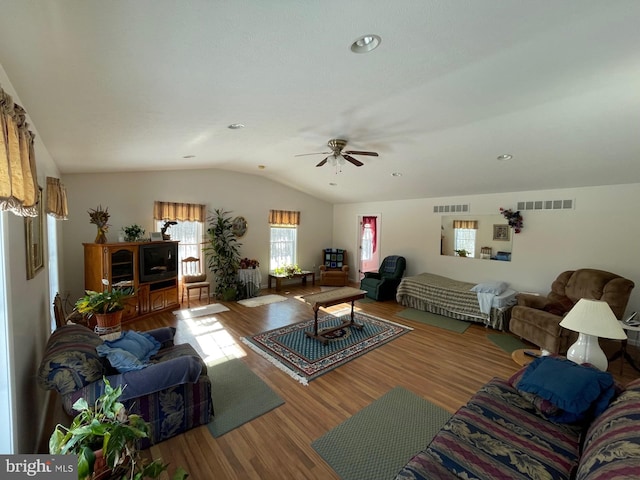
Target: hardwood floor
441	366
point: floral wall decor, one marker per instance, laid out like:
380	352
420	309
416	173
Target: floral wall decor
513	218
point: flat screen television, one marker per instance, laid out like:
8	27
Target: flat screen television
158	261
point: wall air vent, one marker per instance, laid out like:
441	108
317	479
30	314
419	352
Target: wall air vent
547	205
451	208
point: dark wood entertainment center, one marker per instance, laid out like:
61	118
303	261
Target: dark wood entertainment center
119	264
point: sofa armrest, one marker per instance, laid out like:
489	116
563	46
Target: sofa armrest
532	301
375	275
158	376
163	335
345	268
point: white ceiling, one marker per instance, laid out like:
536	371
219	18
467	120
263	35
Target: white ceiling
137	85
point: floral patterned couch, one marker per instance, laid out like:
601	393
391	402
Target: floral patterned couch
505	432
172	393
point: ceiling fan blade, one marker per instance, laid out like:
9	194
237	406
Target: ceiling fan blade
322	162
354	152
349	158
317	153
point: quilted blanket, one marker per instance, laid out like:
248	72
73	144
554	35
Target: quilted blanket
448	297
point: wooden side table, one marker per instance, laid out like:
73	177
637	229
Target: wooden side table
304	274
521	358
623	349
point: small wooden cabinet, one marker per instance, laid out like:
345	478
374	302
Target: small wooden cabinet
118	265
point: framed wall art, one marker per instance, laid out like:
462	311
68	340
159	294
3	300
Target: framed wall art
34	238
501	232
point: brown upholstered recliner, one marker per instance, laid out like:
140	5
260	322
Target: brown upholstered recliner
334	270
537	319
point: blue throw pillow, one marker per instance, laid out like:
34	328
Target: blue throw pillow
577	390
142	345
120	359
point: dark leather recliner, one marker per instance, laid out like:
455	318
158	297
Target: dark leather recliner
537	318
382	285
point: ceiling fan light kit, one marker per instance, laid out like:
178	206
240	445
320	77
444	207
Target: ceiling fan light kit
336	157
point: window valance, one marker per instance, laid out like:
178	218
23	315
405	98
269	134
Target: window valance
18	178
56	199
468	224
181	212
284	217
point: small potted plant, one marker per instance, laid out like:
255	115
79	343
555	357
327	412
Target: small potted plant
104	437
462	252
106	306
133	233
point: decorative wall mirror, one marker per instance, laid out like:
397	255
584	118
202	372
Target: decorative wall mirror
34	227
488	237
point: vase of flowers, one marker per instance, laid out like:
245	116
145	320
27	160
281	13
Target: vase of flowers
513	218
99	218
249	263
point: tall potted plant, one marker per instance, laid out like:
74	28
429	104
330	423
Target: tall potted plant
223	254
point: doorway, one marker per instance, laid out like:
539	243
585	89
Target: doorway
368	244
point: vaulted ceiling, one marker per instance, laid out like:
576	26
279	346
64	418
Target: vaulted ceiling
116	86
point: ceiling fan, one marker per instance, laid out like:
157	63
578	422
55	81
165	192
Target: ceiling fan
337	156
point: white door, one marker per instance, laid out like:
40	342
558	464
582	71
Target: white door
369	244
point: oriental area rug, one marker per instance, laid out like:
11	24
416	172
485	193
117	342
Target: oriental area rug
305	359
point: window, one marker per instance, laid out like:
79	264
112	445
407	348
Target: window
367	242
190	235
283	246
465	239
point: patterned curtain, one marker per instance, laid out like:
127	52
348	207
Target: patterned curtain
56	199
284	217
18	178
469	224
181	212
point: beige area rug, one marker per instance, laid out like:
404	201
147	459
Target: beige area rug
262	300
200	311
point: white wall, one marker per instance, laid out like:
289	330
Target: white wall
28	308
130	196
601	232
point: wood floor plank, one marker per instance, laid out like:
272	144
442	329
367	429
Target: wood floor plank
441	366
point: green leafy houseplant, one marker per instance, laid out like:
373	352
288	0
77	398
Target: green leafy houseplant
133	233
107	427
223	254
462	252
288	270
109	301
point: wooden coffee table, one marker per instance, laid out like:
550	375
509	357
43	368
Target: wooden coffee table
326	299
304	275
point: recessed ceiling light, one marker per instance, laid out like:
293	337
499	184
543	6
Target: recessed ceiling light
236	126
366	43
189	156
396	174
505	156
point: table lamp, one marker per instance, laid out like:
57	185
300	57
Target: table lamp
591	319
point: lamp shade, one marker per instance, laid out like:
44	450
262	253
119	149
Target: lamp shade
593	317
